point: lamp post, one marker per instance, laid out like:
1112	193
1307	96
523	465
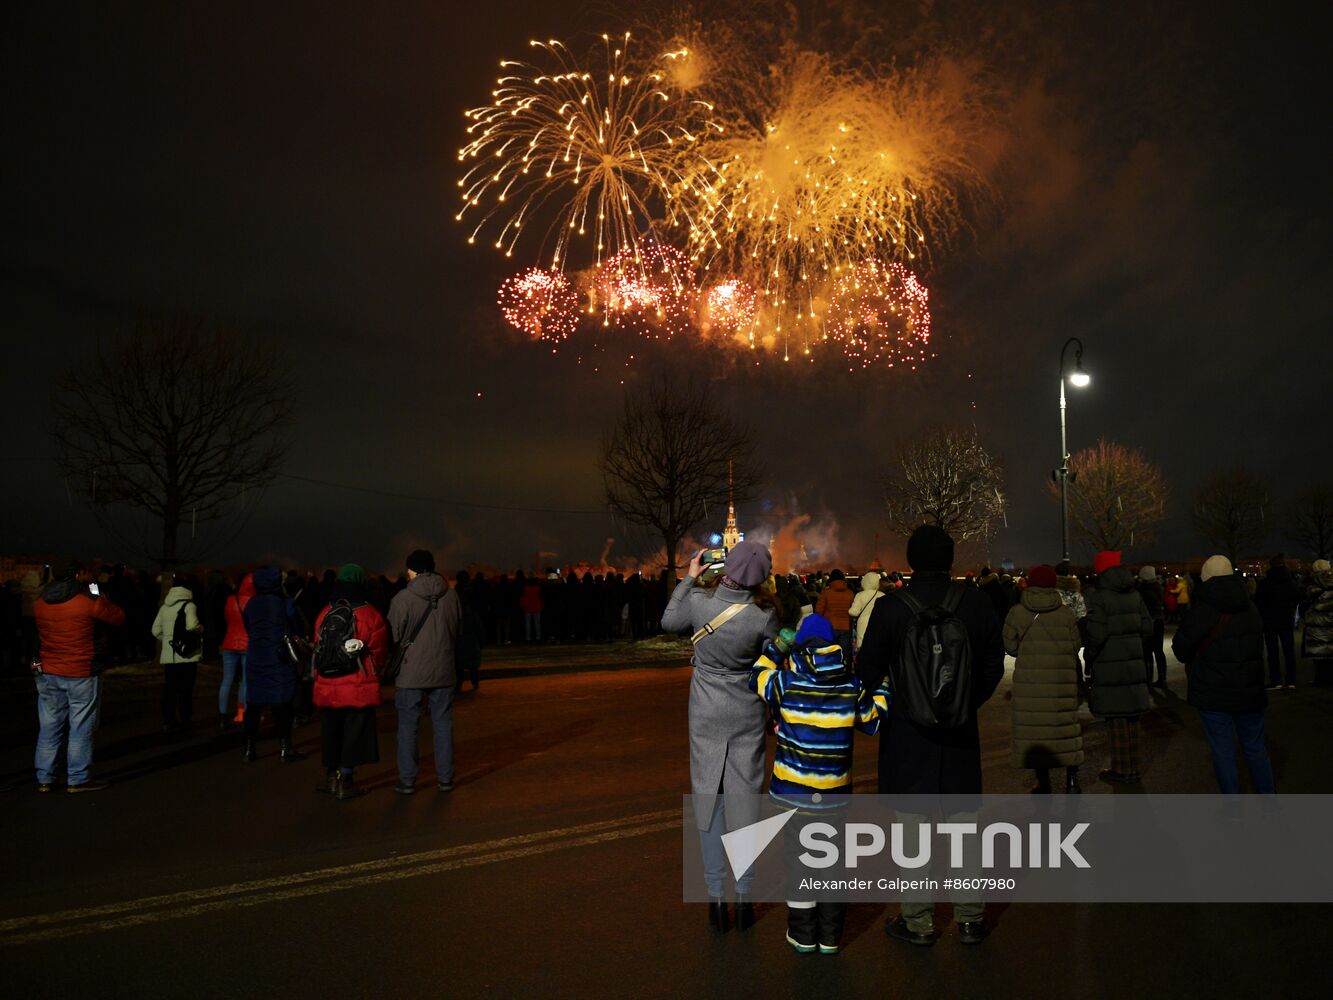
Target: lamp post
1077	378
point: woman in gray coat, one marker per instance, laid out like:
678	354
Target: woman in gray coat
727	719
1118	622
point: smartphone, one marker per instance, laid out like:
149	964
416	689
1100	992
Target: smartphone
713	557
93	589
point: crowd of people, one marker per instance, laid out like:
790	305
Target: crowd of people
853	659
808	659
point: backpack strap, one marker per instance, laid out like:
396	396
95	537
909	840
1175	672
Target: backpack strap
727	615
913	605
953	597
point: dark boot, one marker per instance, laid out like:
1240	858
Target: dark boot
831	917
744	912
345	787
250	753
718	918
1072	786
330	786
287	754
225	725
802	929
1043	785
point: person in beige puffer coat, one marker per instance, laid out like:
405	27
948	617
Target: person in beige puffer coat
864	603
1041	632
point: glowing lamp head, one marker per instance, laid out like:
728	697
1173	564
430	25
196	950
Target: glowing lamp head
1079	379
715	539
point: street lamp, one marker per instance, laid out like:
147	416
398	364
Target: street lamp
1078	378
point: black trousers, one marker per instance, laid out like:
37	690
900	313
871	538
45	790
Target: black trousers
1154	653
178	693
282	720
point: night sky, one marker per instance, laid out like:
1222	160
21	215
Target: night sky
290	169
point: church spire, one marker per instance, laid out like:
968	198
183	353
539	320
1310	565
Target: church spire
731	535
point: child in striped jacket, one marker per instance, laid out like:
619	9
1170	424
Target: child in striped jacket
817	702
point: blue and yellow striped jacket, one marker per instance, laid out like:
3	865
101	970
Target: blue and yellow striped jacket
817	702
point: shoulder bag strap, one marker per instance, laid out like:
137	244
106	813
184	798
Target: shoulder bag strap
434	602
1213	635
731	612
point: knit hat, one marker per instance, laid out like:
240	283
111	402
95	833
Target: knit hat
1104	561
748	564
1041	576
351	573
1148	574
930	550
814	627
1320	566
421	561
1216	566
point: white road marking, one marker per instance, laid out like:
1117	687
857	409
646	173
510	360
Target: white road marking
326	880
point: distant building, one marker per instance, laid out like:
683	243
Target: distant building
731	534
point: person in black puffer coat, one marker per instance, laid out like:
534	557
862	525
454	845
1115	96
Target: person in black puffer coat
1221	643
1117	625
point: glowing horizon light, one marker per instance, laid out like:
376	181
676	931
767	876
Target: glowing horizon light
880	314
541	303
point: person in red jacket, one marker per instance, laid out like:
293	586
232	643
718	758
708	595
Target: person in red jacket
234	644
347	686
69	689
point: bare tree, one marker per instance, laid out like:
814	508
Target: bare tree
1230	510
947	478
1117	496
175	419
1311	520
665	461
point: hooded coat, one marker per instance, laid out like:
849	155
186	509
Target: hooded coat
236	640
864	603
270	617
430	661
1042	634
1317	641
818	703
1117	624
164	625
1224	663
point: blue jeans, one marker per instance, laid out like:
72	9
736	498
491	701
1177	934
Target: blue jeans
1221	729
532	625
66	706
441	704
233	670
1286	639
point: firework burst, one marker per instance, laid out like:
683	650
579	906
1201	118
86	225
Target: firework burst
879	314
541	303
729	309
599	146
649	290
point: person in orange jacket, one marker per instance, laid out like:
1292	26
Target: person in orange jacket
69	685
834	603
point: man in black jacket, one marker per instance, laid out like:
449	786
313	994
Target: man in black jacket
1276	597
923	760
1220	644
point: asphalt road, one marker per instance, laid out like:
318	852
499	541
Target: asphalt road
552	870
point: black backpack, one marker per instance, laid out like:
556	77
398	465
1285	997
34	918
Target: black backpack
184	643
932	679
339	625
